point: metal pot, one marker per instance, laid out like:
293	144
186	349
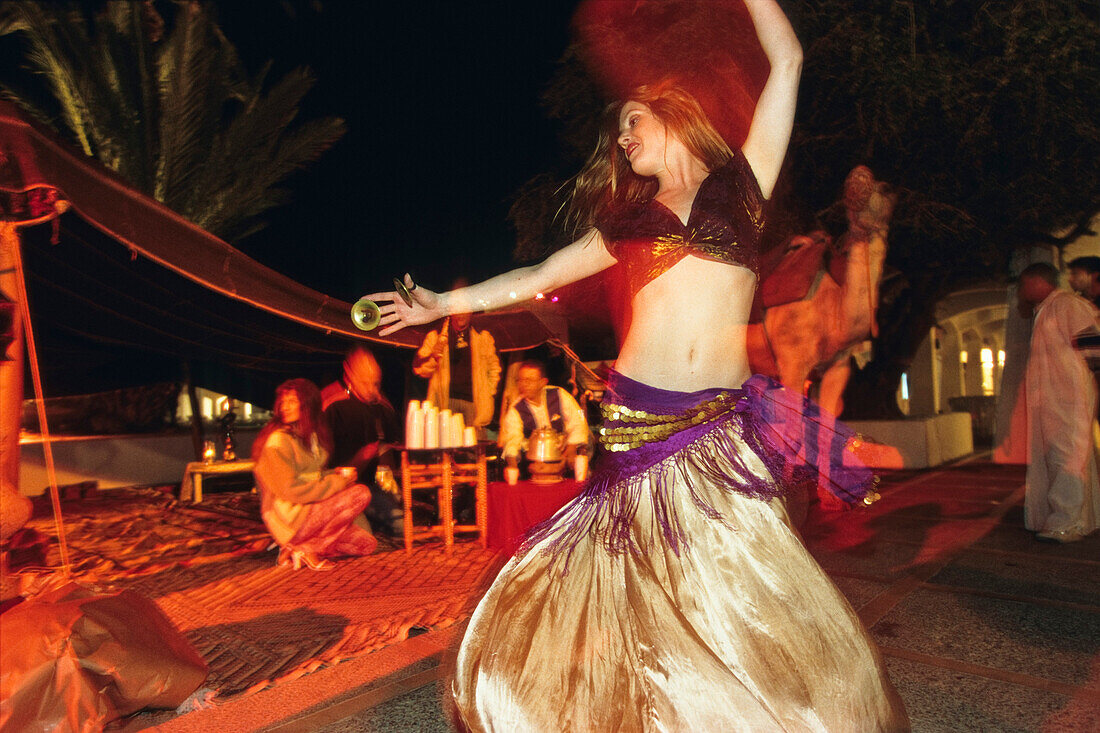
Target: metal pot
545	445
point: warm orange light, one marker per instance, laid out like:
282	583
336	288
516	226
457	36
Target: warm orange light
987	372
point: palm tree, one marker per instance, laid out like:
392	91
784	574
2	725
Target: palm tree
173	111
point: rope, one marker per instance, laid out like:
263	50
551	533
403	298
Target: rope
577	360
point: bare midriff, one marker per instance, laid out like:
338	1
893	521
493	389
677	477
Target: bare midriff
687	330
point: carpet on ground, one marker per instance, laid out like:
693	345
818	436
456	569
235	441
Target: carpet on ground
211	569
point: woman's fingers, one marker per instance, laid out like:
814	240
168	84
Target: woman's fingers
394	314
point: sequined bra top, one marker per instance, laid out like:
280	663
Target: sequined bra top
725	224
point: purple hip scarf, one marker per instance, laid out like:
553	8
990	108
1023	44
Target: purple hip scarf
645	426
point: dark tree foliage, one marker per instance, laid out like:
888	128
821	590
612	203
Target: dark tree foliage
983	115
164	101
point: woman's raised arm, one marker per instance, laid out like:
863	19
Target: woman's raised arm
579	260
770	131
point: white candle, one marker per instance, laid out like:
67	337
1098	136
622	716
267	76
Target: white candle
469	436
456	427
431	427
414	425
445	429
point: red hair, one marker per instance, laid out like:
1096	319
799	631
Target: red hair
310	421
607	176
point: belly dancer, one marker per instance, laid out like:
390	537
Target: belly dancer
673	594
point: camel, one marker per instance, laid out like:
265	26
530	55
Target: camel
816	328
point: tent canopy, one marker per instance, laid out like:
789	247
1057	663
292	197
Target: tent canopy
123	290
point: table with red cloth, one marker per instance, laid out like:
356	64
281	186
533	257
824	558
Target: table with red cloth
514	509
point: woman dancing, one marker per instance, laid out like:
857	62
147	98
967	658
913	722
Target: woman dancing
312	514
673	594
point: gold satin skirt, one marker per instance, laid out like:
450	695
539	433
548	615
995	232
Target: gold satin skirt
740	631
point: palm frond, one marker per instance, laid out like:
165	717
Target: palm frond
180	118
257	151
190	101
125	58
31	108
51	41
253	192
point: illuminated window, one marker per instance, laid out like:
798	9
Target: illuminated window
987	371
184	408
963	356
1001	357
247	409
208	408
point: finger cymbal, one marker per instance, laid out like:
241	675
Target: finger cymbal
403	291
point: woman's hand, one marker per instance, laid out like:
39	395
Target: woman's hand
395	315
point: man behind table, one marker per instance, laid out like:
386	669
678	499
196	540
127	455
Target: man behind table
462	369
540	405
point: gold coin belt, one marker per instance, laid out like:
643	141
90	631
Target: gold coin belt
625	428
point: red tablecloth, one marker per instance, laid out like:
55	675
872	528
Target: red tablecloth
515	509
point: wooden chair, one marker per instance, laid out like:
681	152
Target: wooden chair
438	471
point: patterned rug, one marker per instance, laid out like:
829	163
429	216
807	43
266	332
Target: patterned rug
209	569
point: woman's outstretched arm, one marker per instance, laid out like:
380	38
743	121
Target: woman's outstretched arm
582	258
770	131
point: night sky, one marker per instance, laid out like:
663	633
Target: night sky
444	125
441	101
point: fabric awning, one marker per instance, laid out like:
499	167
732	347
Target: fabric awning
121	273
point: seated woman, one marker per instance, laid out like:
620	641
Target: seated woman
312	514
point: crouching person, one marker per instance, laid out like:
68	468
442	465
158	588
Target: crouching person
312	514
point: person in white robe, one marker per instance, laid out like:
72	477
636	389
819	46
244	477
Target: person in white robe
1062	500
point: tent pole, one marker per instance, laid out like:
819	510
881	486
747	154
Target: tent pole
15	509
43	427
198	438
